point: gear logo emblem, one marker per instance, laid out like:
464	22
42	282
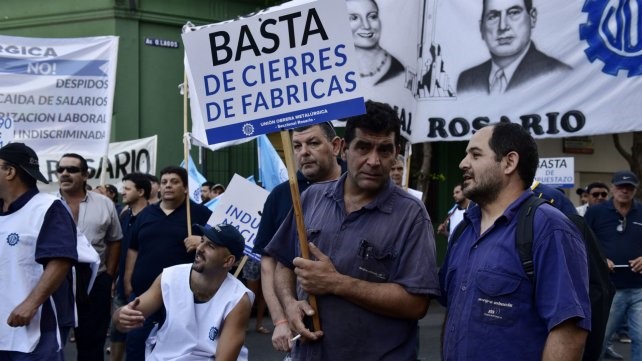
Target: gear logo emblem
248	129
13	239
613	32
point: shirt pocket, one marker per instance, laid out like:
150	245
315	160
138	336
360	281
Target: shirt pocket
375	264
497	301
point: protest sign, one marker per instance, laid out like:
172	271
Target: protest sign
59	92
124	157
283	67
241	206
576	67
556	172
6	131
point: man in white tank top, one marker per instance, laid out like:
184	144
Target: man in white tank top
206	316
37	249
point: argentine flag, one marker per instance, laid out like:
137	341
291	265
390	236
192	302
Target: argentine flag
194	180
272	171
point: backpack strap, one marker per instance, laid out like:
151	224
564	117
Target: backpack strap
459	229
524	234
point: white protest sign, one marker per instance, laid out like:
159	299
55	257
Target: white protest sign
59	92
241	206
283	67
556	172
6	131
138	155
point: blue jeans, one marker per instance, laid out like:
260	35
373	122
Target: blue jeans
627	305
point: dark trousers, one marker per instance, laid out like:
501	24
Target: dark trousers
93	320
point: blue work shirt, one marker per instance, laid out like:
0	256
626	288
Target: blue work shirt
389	240
619	247
494	310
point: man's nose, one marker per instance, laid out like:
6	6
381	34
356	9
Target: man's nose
503	22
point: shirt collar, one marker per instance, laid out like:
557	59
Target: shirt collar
508	70
19	202
474	211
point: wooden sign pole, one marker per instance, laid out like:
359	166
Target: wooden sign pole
186	155
298	216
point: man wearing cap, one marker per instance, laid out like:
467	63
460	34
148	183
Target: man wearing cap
207	315
217	190
37	249
617	224
596	193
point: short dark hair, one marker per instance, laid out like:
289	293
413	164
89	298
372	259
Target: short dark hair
379	118
528	5
326	127
83	162
596	185
172	169
141	182
208	184
512	137
152	178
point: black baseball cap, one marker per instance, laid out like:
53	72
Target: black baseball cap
20	155
224	235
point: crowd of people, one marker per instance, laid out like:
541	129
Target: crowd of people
369	277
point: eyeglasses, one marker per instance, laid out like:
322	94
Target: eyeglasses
70	169
622	226
599	194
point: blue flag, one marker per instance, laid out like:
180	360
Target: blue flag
194	179
272	171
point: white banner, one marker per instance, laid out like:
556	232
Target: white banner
6	131
241	205
59	92
568	68
556	172
283	67
125	157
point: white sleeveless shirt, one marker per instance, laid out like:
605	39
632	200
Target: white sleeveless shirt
191	330
19	270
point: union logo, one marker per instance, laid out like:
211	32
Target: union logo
13	239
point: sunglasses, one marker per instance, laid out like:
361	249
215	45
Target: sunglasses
70	169
622	226
599	194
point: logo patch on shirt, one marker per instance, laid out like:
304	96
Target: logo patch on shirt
213	333
13	239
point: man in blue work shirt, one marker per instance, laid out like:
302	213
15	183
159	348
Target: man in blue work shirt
494	311
617	224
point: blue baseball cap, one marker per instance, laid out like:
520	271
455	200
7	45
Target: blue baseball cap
625	177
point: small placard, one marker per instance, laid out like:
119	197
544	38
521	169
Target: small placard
163	43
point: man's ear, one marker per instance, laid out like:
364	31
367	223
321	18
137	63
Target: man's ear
511	160
533	17
337	146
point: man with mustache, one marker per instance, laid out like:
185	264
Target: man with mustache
506	27
159	240
494	310
96	217
372	281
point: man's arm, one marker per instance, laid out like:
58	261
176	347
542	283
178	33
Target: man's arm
282	334
113	251
133	314
233	331
284	284
387	299
130	261
565	342
54	273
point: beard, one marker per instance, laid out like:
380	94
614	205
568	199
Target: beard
486	189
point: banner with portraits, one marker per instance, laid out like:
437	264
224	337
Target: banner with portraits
449	67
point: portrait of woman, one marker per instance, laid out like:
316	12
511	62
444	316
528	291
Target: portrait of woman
375	65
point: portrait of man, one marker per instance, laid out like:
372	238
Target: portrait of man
506	27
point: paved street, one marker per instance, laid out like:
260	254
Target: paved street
260	346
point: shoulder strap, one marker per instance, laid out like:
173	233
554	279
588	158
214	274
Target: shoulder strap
457	232
524	234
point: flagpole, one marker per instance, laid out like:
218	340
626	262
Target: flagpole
298	216
186	155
